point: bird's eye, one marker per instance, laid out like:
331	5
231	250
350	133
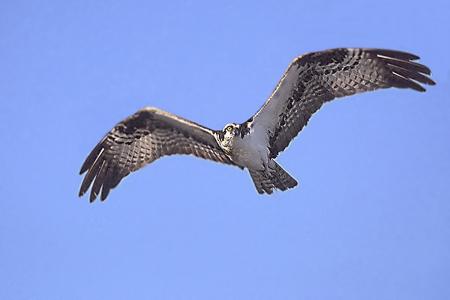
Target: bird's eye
229	128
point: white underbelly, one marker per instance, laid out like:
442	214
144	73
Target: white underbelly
250	155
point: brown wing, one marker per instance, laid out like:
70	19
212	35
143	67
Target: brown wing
140	139
318	77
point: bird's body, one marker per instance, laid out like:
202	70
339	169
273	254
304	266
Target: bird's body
309	82
247	147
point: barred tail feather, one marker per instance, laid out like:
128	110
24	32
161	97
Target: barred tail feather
275	178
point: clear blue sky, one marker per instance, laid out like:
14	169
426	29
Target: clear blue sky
370	219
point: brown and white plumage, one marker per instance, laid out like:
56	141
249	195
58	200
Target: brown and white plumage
318	77
139	140
309	82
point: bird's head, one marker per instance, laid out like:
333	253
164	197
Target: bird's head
229	132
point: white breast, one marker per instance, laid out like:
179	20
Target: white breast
251	151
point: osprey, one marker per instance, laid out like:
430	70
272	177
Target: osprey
309	81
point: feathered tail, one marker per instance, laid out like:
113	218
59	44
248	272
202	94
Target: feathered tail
274	178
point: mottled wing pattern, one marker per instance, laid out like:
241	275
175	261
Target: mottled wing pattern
318	77
140	139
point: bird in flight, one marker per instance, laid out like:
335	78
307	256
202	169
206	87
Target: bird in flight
309	81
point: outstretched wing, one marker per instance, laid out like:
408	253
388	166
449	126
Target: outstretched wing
140	139
318	77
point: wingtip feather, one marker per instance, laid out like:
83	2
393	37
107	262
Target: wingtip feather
394	54
406	72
